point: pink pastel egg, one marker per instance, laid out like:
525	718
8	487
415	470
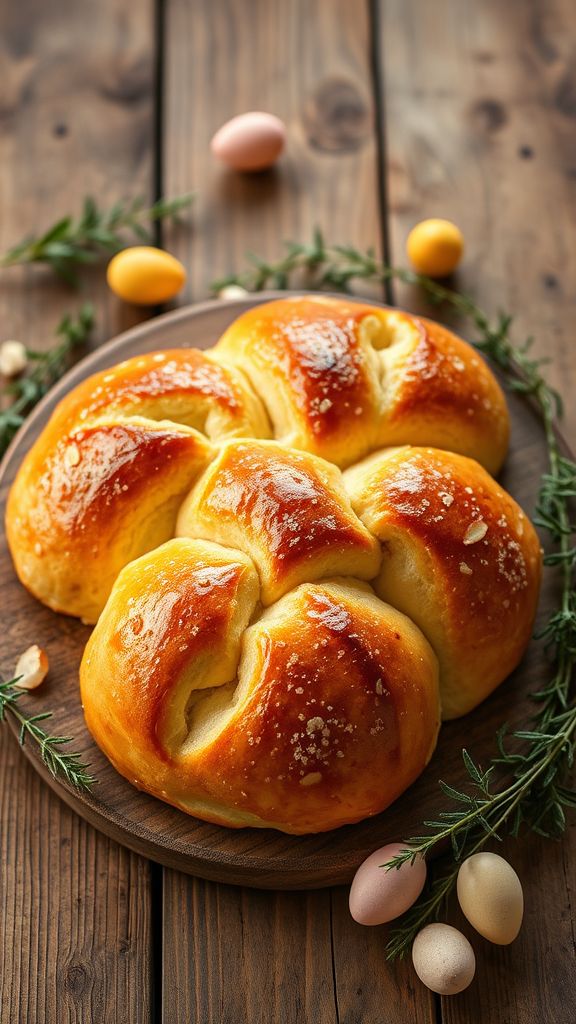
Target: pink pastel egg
250	142
377	895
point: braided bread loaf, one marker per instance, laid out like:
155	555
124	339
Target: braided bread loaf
242	667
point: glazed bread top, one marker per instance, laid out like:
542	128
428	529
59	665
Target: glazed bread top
105	480
288	510
460	558
231	672
341	378
194	505
312	714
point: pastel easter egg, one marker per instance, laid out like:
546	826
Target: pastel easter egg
443	959
378	895
250	142
145	275
491	897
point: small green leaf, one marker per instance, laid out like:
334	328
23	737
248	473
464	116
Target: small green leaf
471	768
454	794
58	231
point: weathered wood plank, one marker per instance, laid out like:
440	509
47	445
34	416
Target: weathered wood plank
274	958
76	117
309	64
369	987
480	117
479	105
246	955
75	927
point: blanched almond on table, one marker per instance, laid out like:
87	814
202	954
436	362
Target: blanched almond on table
31	668
13	358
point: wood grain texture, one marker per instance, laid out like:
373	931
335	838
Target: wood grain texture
252	956
237	213
75	926
308	62
481	128
293	958
480	119
533	979
76	116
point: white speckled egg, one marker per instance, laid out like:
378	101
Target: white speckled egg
250	142
377	895
443	959
491	897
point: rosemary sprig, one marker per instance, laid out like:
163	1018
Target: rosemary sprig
74	241
536	788
45	369
67	764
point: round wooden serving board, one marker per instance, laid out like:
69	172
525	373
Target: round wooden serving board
262	858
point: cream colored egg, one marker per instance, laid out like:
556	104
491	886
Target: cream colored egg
250	142
443	959
491	897
145	275
377	895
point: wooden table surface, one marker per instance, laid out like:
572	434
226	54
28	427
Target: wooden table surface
396	110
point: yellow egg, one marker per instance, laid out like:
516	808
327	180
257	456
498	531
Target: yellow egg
491	897
145	275
443	959
435	247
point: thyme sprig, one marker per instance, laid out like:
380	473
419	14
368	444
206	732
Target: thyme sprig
66	764
533	785
45	369
75	241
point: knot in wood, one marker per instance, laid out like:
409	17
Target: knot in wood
489	116
337	117
128	84
76	979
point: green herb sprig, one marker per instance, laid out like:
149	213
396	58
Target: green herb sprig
537	771
45	369
75	241
59	762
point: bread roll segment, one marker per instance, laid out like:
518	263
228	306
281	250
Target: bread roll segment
102	495
172	625
288	510
460	558
319	713
341	378
184	385
104	481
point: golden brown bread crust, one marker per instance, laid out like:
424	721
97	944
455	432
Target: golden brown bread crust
320	709
322	714
342	378
103	495
460	558
183	385
288	510
339	378
104	481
